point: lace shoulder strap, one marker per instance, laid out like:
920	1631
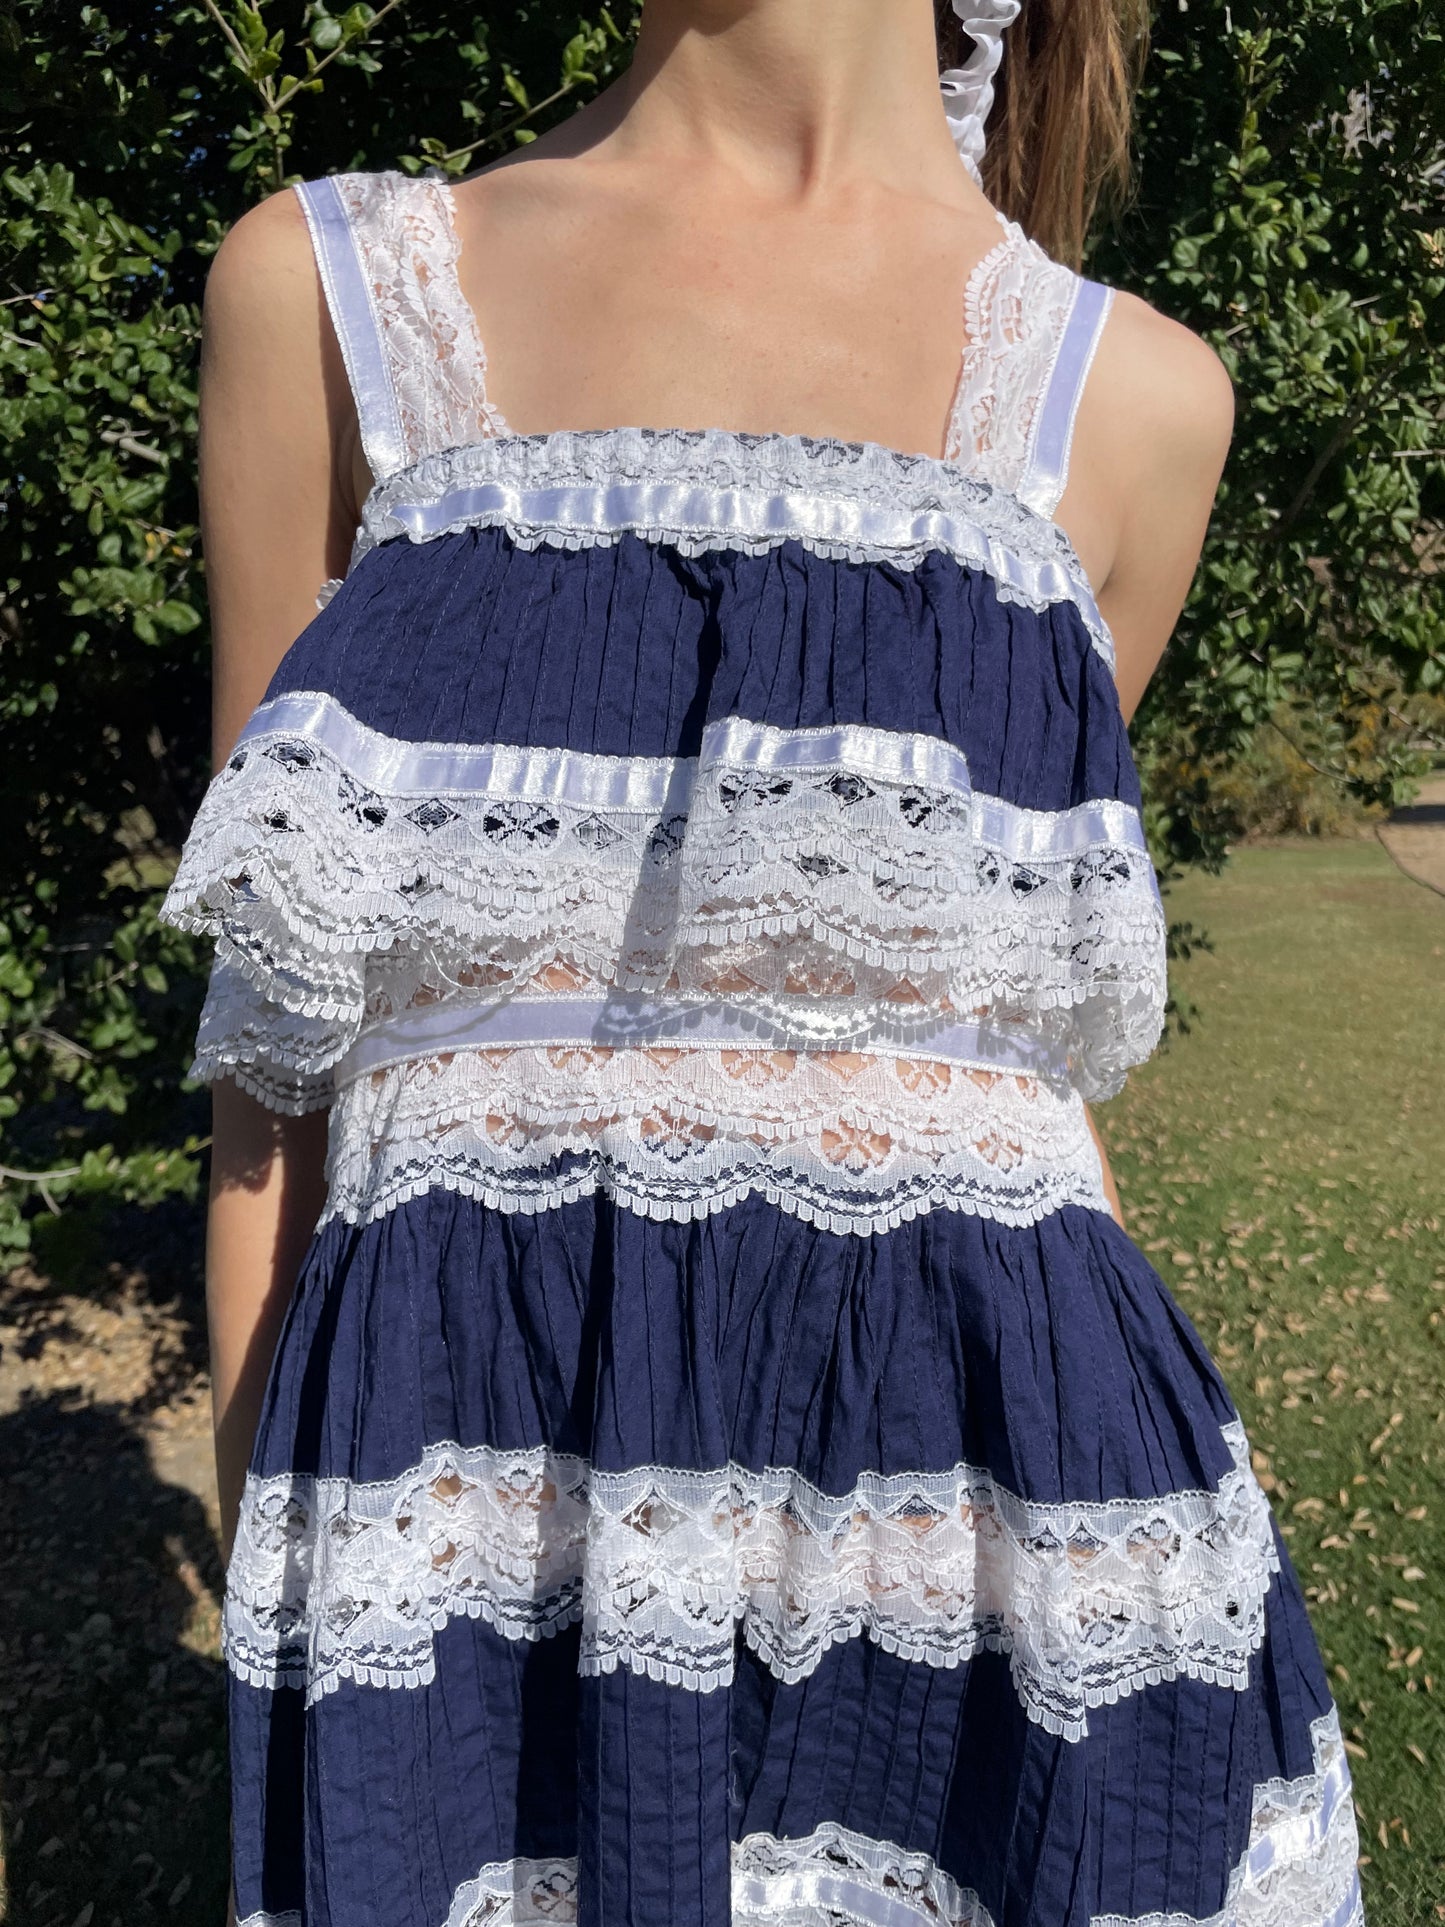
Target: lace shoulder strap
386	249
1032	328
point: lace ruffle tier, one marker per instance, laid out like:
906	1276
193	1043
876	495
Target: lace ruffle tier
851	1141
839	884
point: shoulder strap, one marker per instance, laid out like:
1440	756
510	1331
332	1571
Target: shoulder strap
331	207
1051	439
1031	329
387	249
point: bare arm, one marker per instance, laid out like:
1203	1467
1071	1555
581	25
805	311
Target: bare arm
277	436
1153	433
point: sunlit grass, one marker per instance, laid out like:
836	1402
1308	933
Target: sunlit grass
1283	1164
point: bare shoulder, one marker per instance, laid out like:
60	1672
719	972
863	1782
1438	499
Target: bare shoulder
1166	393
1154	432
271	368
264	274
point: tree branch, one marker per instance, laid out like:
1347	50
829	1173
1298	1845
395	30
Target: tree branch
295	86
501	133
238	52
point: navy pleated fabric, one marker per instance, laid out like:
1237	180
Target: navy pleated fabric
407	1794
1055	1356
630	649
749	1337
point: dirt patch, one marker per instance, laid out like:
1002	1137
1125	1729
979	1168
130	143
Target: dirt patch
1415	835
112	1743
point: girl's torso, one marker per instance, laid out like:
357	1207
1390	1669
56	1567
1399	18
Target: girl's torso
688	812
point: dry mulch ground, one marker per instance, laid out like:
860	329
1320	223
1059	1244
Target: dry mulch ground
112	1745
1415	835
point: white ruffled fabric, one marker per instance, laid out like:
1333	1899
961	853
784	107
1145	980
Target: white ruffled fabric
968	90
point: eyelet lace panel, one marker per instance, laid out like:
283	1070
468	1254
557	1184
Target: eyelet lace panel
700	490
823	874
332	1580
435	364
1015	313
852	1141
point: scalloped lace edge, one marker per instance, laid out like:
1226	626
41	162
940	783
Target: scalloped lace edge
333	1580
853	1141
778	869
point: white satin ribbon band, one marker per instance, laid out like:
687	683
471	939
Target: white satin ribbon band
620	1020
968	90
399	767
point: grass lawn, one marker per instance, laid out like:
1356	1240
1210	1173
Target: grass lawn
1283	1164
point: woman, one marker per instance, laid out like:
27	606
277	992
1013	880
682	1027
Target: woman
719	1458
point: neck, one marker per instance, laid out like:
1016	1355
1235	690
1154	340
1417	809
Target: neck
796	96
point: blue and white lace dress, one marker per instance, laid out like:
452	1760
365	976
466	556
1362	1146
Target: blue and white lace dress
723	1463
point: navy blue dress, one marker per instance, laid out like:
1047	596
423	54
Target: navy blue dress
723	1463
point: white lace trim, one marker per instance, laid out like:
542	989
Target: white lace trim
1300	1868
518	1893
699	490
280	1057
834	1877
825	876
333	1580
859	501
1015	315
434	362
853	1141
434	365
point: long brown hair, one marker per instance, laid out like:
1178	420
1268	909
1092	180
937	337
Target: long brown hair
1058	135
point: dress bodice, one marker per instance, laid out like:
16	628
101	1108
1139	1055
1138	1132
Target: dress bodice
687	812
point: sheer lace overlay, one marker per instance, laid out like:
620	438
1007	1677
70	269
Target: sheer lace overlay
332	1580
853	1141
829	878
1015	312
435	364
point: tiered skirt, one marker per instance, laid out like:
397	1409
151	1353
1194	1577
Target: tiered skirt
737	1474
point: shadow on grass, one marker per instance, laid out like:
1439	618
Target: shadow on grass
113	1795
